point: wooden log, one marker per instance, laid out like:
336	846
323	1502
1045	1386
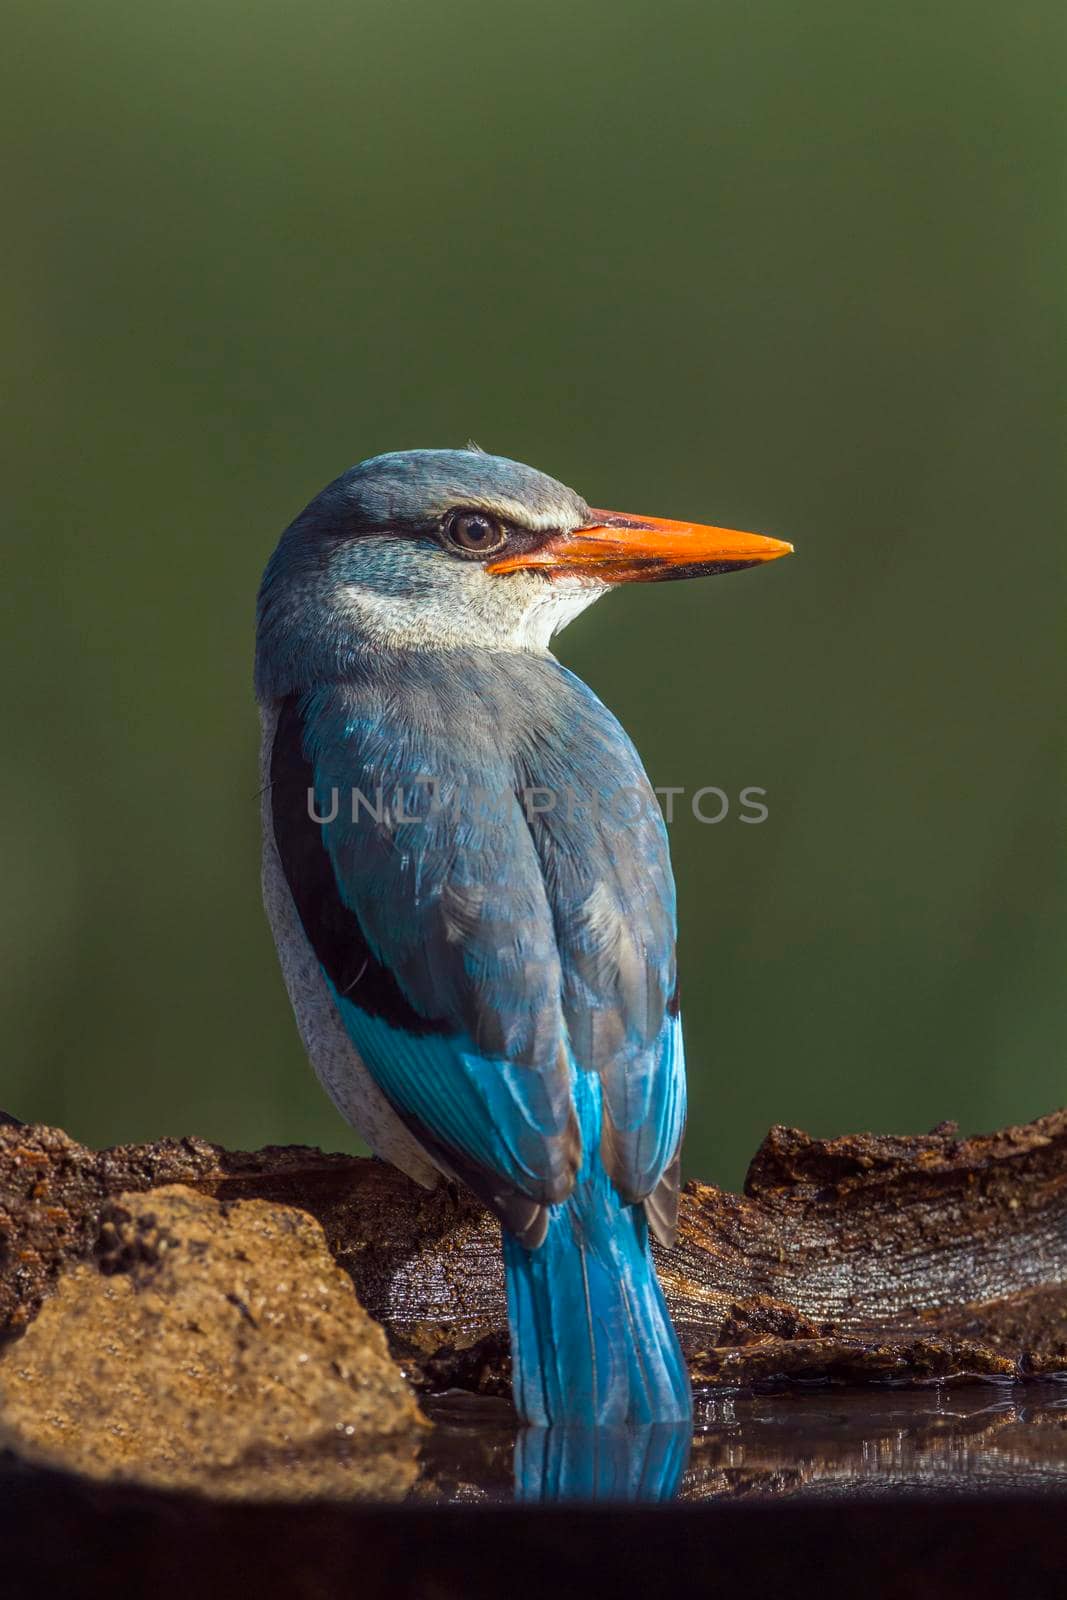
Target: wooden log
865	1258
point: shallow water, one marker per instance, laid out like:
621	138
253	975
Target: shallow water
814	1442
954	1493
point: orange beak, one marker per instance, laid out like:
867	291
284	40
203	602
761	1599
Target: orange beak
618	548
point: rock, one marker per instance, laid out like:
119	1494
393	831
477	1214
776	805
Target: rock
213	1346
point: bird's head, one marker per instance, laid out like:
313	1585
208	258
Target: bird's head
441	549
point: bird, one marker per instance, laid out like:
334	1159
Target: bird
477	938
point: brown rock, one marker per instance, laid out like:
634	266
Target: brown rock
213	1346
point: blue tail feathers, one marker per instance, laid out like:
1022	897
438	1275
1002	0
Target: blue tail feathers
591	1341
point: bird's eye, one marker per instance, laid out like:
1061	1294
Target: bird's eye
475	533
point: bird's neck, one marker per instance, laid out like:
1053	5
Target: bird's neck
301	643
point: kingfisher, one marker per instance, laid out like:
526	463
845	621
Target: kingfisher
467	876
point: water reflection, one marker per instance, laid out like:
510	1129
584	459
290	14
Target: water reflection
985	1439
647	1463
858	1442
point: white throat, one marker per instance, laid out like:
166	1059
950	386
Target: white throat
411	603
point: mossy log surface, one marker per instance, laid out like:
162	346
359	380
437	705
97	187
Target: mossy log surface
866	1258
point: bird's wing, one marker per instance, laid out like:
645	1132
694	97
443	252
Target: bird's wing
436	935
606	864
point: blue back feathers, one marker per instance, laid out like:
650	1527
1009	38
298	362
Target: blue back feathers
535	941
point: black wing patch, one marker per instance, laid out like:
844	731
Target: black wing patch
333	930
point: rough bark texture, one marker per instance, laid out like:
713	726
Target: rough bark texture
867	1258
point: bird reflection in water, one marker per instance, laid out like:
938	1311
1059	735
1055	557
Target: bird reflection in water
620	1464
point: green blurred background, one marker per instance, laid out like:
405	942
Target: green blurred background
791	267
